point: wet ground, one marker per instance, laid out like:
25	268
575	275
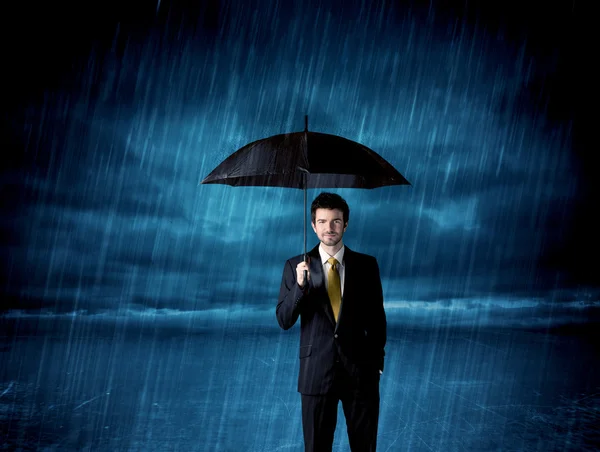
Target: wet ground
102	386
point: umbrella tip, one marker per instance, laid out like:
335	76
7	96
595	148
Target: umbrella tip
306	123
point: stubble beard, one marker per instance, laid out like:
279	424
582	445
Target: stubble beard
330	241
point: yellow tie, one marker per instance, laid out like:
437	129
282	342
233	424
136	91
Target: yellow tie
334	288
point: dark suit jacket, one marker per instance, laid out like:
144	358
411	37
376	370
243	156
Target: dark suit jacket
357	340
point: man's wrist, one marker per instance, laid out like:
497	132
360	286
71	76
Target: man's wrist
303	288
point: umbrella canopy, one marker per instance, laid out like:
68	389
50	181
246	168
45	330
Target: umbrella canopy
305	160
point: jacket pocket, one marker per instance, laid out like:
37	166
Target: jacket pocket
305	351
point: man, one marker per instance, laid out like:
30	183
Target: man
342	331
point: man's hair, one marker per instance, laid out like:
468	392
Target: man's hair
329	201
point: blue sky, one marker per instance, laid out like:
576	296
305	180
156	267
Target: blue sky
111	218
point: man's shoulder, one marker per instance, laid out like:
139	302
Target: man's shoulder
348	253
360	256
296	259
313	254
293	261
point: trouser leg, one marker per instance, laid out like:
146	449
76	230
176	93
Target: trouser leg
319	417
361	409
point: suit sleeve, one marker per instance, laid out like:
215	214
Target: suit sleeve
377	322
290	299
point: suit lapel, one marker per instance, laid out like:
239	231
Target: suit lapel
316	269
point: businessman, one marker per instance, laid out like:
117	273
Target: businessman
342	331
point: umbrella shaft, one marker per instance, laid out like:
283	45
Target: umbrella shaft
305	272
304	213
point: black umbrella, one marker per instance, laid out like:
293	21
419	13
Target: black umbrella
305	160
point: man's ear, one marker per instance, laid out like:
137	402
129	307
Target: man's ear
313	226
345	226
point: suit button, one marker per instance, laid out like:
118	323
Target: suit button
335	335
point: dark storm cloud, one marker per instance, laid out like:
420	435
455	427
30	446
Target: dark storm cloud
118	218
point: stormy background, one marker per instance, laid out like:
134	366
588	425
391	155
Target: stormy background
138	306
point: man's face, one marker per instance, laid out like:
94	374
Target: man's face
329	226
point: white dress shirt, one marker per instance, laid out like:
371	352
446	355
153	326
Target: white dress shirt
339	256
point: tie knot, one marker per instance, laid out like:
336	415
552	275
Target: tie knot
333	261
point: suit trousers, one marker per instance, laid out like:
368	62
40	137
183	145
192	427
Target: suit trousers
361	410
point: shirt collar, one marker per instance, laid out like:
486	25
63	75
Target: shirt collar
339	256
